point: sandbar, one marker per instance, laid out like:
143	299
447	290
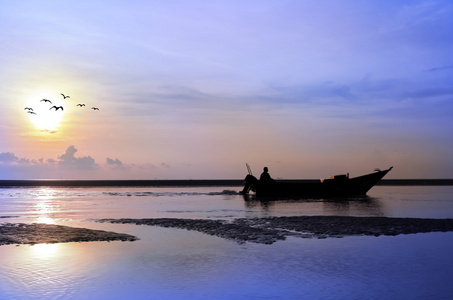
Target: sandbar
254	230
20	233
272	229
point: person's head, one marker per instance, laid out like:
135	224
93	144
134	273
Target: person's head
266	169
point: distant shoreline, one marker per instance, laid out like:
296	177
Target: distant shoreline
190	183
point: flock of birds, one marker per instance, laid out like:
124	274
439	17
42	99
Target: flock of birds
30	109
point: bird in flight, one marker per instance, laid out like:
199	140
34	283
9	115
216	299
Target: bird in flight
31	112
95	108
80	105
29	109
46	100
56	107
64	97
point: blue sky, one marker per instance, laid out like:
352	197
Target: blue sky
194	89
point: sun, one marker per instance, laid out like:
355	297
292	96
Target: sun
47	120
44	115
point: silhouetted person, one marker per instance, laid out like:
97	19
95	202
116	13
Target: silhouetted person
265	177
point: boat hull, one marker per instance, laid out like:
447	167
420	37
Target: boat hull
337	186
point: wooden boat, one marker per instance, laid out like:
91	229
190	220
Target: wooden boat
339	185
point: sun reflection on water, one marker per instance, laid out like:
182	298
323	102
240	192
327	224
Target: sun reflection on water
45	251
46	206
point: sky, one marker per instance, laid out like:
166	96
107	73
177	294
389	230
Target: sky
197	89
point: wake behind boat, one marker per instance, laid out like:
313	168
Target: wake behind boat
339	185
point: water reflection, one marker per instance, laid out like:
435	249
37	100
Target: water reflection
351	206
45	206
42	271
45	251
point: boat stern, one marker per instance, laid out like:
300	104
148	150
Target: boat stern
250	182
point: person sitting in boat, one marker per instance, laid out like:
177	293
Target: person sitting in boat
265	177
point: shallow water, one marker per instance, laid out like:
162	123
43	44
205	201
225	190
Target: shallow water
180	264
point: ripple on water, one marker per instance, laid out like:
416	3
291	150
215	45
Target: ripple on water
46	271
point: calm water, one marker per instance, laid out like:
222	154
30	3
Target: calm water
180	264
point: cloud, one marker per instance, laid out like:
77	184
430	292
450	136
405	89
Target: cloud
8	157
115	163
164	165
68	160
70	166
24	161
430	92
443	68
49	131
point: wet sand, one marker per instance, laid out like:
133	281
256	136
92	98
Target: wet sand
272	229
20	233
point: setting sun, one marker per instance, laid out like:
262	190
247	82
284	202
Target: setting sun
45	114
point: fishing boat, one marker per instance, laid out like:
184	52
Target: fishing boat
338	185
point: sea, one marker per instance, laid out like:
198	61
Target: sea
169	263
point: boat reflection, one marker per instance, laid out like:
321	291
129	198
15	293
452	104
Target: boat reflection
340	206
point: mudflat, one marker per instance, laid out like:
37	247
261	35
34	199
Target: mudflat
272	229
255	230
20	233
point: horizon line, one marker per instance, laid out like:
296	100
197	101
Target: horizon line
188	182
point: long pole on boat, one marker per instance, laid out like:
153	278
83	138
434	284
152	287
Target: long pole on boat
249	169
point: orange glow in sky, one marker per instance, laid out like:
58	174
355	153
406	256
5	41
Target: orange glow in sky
308	89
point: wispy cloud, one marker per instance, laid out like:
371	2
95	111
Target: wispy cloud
443	68
430	92
165	165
